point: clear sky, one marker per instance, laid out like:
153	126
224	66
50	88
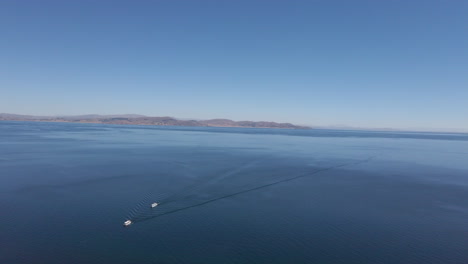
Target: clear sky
393	64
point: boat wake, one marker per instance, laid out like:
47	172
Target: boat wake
178	203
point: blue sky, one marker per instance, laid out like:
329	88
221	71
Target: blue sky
391	64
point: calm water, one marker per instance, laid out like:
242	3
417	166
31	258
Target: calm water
230	195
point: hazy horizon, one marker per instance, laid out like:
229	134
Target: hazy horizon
394	65
333	126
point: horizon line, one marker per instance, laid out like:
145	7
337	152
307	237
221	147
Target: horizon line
331	127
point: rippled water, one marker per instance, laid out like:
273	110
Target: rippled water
230	195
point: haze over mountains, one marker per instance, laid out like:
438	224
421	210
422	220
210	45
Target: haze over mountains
132	119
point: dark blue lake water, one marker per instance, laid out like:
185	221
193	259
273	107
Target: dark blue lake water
230	195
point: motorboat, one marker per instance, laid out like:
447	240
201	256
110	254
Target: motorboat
127	223
154	205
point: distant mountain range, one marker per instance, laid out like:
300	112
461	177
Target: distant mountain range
148	120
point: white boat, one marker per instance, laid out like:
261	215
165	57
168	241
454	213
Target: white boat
154	205
127	223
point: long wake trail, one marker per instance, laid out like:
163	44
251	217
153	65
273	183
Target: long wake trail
253	189
176	197
140	211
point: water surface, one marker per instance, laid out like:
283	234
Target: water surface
230	195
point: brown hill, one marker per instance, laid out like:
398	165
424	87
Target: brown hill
147	120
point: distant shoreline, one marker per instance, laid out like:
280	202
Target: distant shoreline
149	121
